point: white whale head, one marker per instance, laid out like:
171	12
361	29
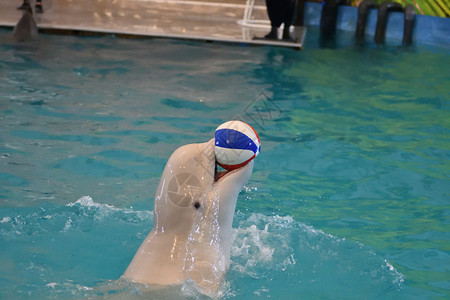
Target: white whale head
193	215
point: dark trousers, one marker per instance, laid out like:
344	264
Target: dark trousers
281	11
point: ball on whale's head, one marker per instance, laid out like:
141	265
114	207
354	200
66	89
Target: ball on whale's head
236	144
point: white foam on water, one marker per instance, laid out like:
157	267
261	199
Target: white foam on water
267	253
270	247
399	278
251	237
52	285
5	220
68	225
102	210
259	242
80	215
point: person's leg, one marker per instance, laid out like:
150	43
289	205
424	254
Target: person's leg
275	13
275	10
39	6
288	18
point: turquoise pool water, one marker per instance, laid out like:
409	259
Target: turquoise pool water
349	198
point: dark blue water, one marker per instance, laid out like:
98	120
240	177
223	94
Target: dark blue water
349	198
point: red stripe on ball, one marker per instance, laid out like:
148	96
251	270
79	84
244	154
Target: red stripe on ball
234	167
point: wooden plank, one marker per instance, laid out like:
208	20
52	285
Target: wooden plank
137	18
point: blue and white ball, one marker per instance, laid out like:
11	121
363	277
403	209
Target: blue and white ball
237	143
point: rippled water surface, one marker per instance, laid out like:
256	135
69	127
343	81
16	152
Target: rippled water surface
349	198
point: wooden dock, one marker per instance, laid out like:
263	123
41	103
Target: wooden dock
207	20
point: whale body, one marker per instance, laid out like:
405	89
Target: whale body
193	214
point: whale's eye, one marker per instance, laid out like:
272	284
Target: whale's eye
183	189
197	204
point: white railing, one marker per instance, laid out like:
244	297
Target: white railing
248	19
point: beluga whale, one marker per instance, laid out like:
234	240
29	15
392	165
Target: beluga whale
193	215
26	29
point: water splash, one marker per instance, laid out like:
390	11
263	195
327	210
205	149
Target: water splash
281	253
77	248
81	215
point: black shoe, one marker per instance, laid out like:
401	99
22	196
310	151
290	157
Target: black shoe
272	35
24	6
287	37
38	9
